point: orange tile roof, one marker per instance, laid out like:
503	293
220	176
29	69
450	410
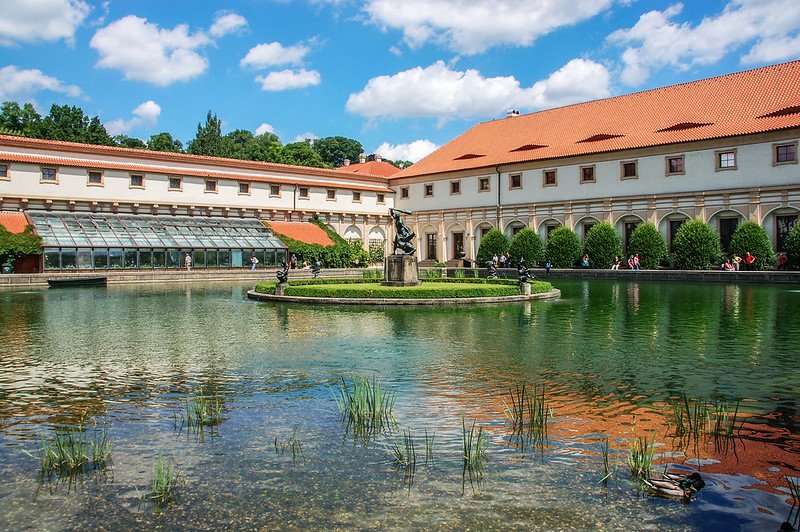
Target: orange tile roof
302	231
754	101
16	222
381	168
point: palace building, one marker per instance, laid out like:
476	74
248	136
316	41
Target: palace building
722	149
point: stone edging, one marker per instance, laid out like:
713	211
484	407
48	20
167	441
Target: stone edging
555	293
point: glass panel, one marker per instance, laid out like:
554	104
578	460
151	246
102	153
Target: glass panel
145	258
131	259
280	256
236	258
115	259
52	259
100	259
211	258
269	258
84	259
68	258
246	257
261	258
199	258
159	258
173	258
224	258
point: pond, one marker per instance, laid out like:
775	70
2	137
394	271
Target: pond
612	358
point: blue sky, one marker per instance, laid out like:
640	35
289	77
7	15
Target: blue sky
400	76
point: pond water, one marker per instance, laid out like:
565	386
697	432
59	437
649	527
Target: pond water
612	357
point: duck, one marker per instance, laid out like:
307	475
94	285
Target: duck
678	486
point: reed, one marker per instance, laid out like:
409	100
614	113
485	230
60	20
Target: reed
474	446
605	449
640	459
404	451
165	482
793	520
72	451
293	445
429	446
202	411
529	414
367	407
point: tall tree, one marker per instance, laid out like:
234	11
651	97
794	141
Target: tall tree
334	150
265	147
164	142
70	124
208	140
301	154
19	120
124	141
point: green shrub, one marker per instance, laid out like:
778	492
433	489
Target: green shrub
527	244
440	265
602	245
372	274
459	273
376	253
433	273
13	245
427	290
494	242
359	253
649	243
563	248
696	246
793	247
750	236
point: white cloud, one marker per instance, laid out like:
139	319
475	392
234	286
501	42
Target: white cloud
413	151
437	91
657	40
41	20
289	79
226	23
471	27
145	114
274	54
305	136
21	85
144	52
264	128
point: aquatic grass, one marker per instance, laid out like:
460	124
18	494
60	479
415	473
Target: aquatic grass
794	490
403	451
607	471
697	418
202	411
640	459
474	446
366	408
165	482
429	446
294	445
72	451
529	414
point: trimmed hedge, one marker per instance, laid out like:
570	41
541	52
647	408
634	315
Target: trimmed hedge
696	246
750	236
563	248
793	247
649	243
602	245
527	244
494	242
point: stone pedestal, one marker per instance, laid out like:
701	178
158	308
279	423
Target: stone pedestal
400	270
525	288
280	288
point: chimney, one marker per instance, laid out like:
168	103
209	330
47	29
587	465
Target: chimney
362	158
347	162
511	113
378	158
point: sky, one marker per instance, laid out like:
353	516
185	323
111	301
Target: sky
400	76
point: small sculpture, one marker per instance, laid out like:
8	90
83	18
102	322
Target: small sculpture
283	275
523	275
492	270
316	269
403	235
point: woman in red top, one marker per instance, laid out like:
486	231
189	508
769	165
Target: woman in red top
749	260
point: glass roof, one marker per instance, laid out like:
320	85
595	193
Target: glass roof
67	229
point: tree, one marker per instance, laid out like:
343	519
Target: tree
70	124
208	140
563	247
19	120
527	244
265	147
301	154
164	142
334	150
125	141
649	243
13	245
696	246
399	163
751	237
793	247
494	243
602	245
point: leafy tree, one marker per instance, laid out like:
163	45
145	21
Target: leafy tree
334	150
649	243
696	246
164	142
793	247
494	242
70	124
125	141
13	245
602	245
750	236
301	154
563	247
265	147
208	140
19	120
527	244
399	163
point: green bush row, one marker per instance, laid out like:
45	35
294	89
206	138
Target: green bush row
429	290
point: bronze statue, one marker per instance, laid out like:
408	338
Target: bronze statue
523	275
316	269
491	270
283	275
403	235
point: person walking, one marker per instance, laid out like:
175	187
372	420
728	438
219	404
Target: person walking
187	261
636	262
253	262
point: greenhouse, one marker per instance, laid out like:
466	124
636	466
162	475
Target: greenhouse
89	241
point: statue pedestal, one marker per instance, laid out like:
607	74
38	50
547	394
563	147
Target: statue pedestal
400	270
280	288
525	288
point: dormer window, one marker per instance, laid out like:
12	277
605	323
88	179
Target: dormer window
683	125
468	156
601	136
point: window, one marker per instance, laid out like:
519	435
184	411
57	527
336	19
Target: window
483	184
4	172
137	181
674	225
727	226
725	160
455	187
429	190
381	197
515	181
175	183
430	246
783	224
785	153
49	175
587	174
332	194
628	170
628	228
586	228
549	178
211	185
675	165
275	191
244	188
356	196
302	192
404	192
458	245
95	178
